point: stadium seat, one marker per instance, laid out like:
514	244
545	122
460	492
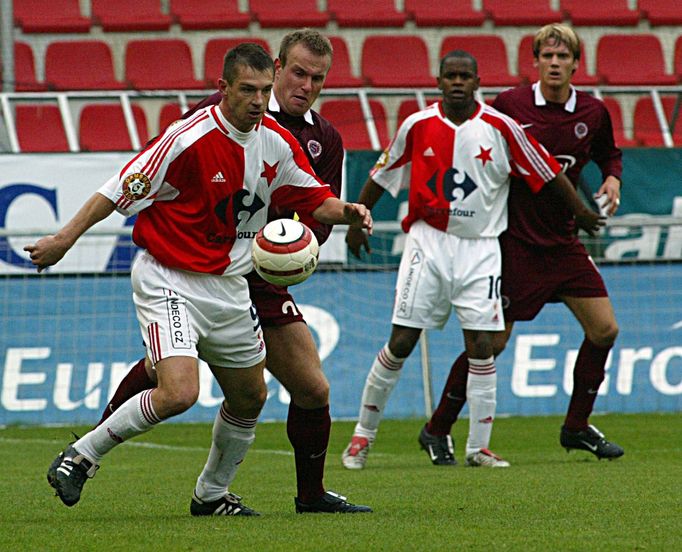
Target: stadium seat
346	115
102	127
341	75
208	14
613	67
396	60
677	59
24	70
215	51
528	72
168	114
40	128
80	65
160	64
647	130
130	15
601	13
491	54
55	16
408	107
445	13
521	12
661	12
358	13
614	109
298	13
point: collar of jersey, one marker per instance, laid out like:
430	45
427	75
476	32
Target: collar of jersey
273	106
445	118
229	129
540	99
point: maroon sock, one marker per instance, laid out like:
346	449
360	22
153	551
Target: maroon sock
308	432
587	377
133	383
452	400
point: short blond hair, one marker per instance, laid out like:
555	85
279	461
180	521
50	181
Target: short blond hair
311	39
560	34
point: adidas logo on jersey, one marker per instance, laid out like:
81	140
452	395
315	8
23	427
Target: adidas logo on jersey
218	177
428	152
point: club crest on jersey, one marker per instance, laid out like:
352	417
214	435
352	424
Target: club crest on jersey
453	181
381	162
580	130
136	186
314	148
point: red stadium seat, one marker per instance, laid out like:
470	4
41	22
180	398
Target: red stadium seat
677	60
215	51
521	12
341	75
601	13
24	70
615	68
103	128
408	107
647	130
358	13
528	72
40	128
130	15
661	12
396	60
613	107
298	13
208	14
346	115
80	65
490	53
55	16
168	114
160	64
445	13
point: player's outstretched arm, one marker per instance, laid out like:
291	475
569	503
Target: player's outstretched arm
585	218
49	250
355	237
335	211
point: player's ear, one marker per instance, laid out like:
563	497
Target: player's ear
278	66
223	86
576	63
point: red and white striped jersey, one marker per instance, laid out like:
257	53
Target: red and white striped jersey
458	175
202	190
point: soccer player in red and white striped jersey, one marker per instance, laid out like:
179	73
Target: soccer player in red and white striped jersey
202	191
457	158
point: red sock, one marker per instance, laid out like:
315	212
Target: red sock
133	383
587	377
452	400
308	432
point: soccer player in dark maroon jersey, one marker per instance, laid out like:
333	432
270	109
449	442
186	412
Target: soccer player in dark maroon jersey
304	59
543	260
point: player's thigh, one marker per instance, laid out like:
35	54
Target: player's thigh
244	388
596	316
293	359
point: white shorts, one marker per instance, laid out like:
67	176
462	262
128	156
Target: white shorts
198	315
440	271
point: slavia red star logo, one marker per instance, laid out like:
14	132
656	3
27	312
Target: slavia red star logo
269	172
484	155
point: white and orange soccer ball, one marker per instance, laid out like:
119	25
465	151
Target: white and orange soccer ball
285	252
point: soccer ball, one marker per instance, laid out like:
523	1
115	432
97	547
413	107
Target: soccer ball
285	252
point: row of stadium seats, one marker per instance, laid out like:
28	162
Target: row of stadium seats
102	127
167	63
38	16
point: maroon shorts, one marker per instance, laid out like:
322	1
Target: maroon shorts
533	276
275	305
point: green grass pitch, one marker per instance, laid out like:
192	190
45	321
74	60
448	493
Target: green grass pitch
548	500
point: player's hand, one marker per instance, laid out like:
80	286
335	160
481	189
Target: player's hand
47	251
358	215
611	189
356	240
590	221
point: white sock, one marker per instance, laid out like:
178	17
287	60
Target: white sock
482	399
382	378
232	437
133	417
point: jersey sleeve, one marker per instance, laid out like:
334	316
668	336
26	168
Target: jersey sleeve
605	153
392	169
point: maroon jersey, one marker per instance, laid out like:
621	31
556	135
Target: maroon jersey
574	133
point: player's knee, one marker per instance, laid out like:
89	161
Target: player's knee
178	400
604	336
314	394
